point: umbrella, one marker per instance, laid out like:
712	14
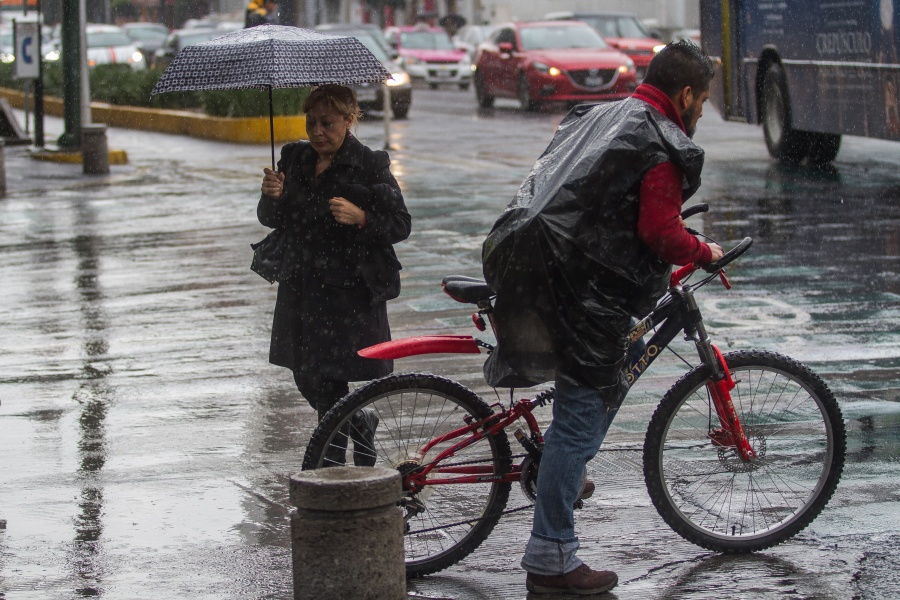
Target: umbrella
452	21
267	57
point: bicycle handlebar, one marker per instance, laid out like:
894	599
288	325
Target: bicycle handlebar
694	210
729	256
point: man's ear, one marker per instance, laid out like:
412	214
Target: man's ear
684	98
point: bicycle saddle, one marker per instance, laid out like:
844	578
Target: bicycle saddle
466	289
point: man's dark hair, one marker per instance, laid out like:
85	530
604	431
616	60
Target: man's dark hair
678	65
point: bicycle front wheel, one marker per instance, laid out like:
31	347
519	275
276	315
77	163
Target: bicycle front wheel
444	521
711	497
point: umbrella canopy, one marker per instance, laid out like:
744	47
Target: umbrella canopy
267	57
270	56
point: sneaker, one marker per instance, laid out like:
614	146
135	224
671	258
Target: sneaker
582	581
362	432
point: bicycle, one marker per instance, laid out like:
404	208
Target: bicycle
741	453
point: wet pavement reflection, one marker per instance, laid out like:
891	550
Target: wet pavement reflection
146	443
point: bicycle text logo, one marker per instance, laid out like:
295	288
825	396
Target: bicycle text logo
638	367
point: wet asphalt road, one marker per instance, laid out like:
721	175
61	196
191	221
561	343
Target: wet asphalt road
146	444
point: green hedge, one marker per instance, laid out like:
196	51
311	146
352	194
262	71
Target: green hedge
123	86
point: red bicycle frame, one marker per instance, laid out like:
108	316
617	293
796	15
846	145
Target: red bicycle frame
478	430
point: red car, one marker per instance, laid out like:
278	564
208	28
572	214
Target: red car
428	55
623	31
551	61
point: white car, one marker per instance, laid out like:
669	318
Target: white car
106	44
109	44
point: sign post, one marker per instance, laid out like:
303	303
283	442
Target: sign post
27	50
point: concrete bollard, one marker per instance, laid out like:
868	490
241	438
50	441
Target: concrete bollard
94	149
347	534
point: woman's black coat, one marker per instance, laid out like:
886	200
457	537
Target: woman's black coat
336	278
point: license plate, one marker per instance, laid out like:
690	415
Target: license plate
593	81
443	74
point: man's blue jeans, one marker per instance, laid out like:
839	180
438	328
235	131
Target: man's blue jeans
580	422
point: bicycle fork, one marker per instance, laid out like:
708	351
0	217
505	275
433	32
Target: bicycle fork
719	386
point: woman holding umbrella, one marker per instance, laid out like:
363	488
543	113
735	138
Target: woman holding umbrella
341	211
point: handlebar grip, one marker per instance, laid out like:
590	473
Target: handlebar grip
729	256
694	210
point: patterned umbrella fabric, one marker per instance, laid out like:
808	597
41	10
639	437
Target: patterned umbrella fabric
271	56
267	57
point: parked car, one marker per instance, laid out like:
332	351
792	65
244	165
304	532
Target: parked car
623	31
370	29
106	44
551	61
178	40
428	54
469	37
371	95
148	37
7	51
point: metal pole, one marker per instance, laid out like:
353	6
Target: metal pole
271	128
387	116
39	86
71	71
85	79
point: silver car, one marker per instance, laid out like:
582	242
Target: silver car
371	95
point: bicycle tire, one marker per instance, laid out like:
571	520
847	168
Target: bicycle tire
415	408
712	498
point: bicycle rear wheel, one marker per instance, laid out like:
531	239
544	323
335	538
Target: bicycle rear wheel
707	494
444	522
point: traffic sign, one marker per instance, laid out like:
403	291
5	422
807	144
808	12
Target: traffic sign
28	59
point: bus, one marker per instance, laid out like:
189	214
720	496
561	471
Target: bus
808	71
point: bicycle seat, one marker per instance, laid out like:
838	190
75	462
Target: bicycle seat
470	290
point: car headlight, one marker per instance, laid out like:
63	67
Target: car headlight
7	58
136	57
412	60
658	48
628	67
52	55
545	68
398	78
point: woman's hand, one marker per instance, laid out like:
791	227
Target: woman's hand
346	213
273	183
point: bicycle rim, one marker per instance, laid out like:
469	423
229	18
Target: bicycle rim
444	522
713	498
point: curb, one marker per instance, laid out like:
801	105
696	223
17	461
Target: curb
248	130
116	157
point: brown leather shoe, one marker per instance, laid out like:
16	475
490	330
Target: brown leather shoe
582	581
587	490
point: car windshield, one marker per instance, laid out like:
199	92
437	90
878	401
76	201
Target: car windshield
373	45
553	38
425	40
6	39
618	27
196	37
107	39
139	33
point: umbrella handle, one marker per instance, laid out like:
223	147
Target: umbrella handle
271	128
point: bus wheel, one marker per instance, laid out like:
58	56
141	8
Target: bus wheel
784	143
822	147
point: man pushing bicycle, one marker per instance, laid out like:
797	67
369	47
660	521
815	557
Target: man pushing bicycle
586	245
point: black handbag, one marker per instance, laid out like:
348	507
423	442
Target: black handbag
268	255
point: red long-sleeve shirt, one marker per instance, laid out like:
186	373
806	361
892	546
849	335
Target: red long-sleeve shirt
659	224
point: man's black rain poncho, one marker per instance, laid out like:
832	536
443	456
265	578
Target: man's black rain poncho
565	258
